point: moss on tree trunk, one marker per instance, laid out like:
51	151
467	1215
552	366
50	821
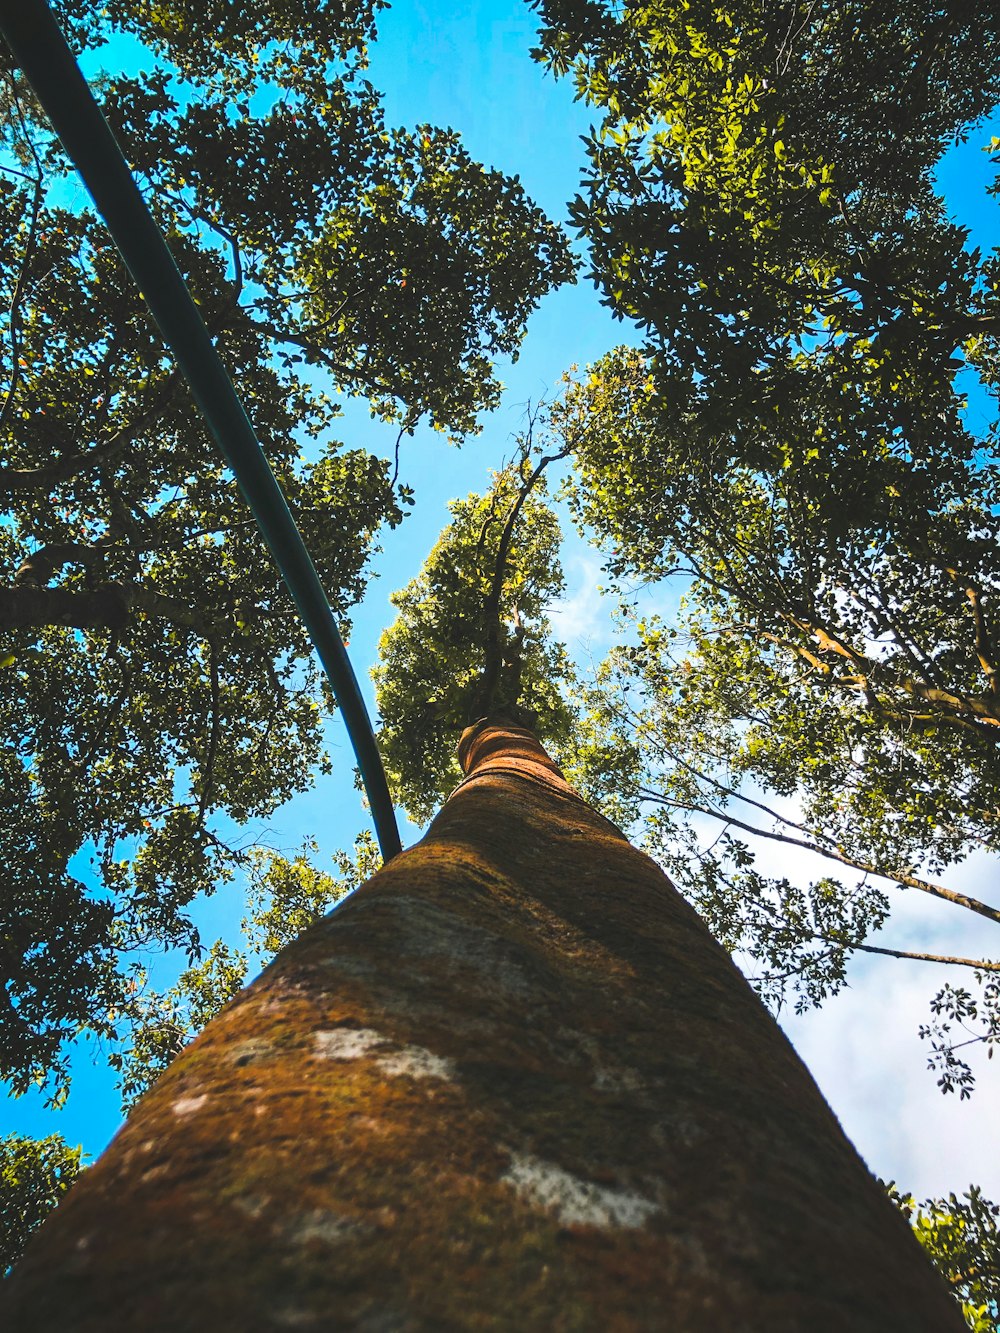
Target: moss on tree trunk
511	1083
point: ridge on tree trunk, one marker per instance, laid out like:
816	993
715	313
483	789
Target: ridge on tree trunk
510	1083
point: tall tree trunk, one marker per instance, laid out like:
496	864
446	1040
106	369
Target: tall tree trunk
511	1083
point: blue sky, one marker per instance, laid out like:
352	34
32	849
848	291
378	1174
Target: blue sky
467	66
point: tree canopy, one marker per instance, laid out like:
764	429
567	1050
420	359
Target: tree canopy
155	675
792	439
960	1236
34	1175
472	638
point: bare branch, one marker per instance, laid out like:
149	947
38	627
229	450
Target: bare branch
901	877
493	657
980	964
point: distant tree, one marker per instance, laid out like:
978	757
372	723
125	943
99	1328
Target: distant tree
960	1236
34	1175
438	665
154	677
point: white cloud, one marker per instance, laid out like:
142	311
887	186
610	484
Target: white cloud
863	1046
582	618
864	1052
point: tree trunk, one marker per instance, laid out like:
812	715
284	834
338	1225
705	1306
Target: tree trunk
511	1083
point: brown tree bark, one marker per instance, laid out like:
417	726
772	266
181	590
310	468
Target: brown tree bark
511	1083
29	606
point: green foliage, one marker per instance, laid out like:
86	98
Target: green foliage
760	175
162	1024
155	675
53	936
284	898
287	896
792	434
676	758
791	442
34	1175
959	1020
961	1238
216	42
477	608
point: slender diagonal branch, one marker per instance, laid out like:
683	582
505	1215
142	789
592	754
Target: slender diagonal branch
901	877
29	248
208	768
980	964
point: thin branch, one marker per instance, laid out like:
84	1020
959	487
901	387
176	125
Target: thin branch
849	946
113	713
902	878
18	292
980	964
395	462
984	648
491	608
16	480
208	768
920	664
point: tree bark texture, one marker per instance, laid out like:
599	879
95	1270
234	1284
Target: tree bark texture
511	1083
104	607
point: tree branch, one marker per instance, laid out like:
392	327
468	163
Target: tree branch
99	608
38	568
18	292
980	964
208	768
903	878
484	696
16	480
107	607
